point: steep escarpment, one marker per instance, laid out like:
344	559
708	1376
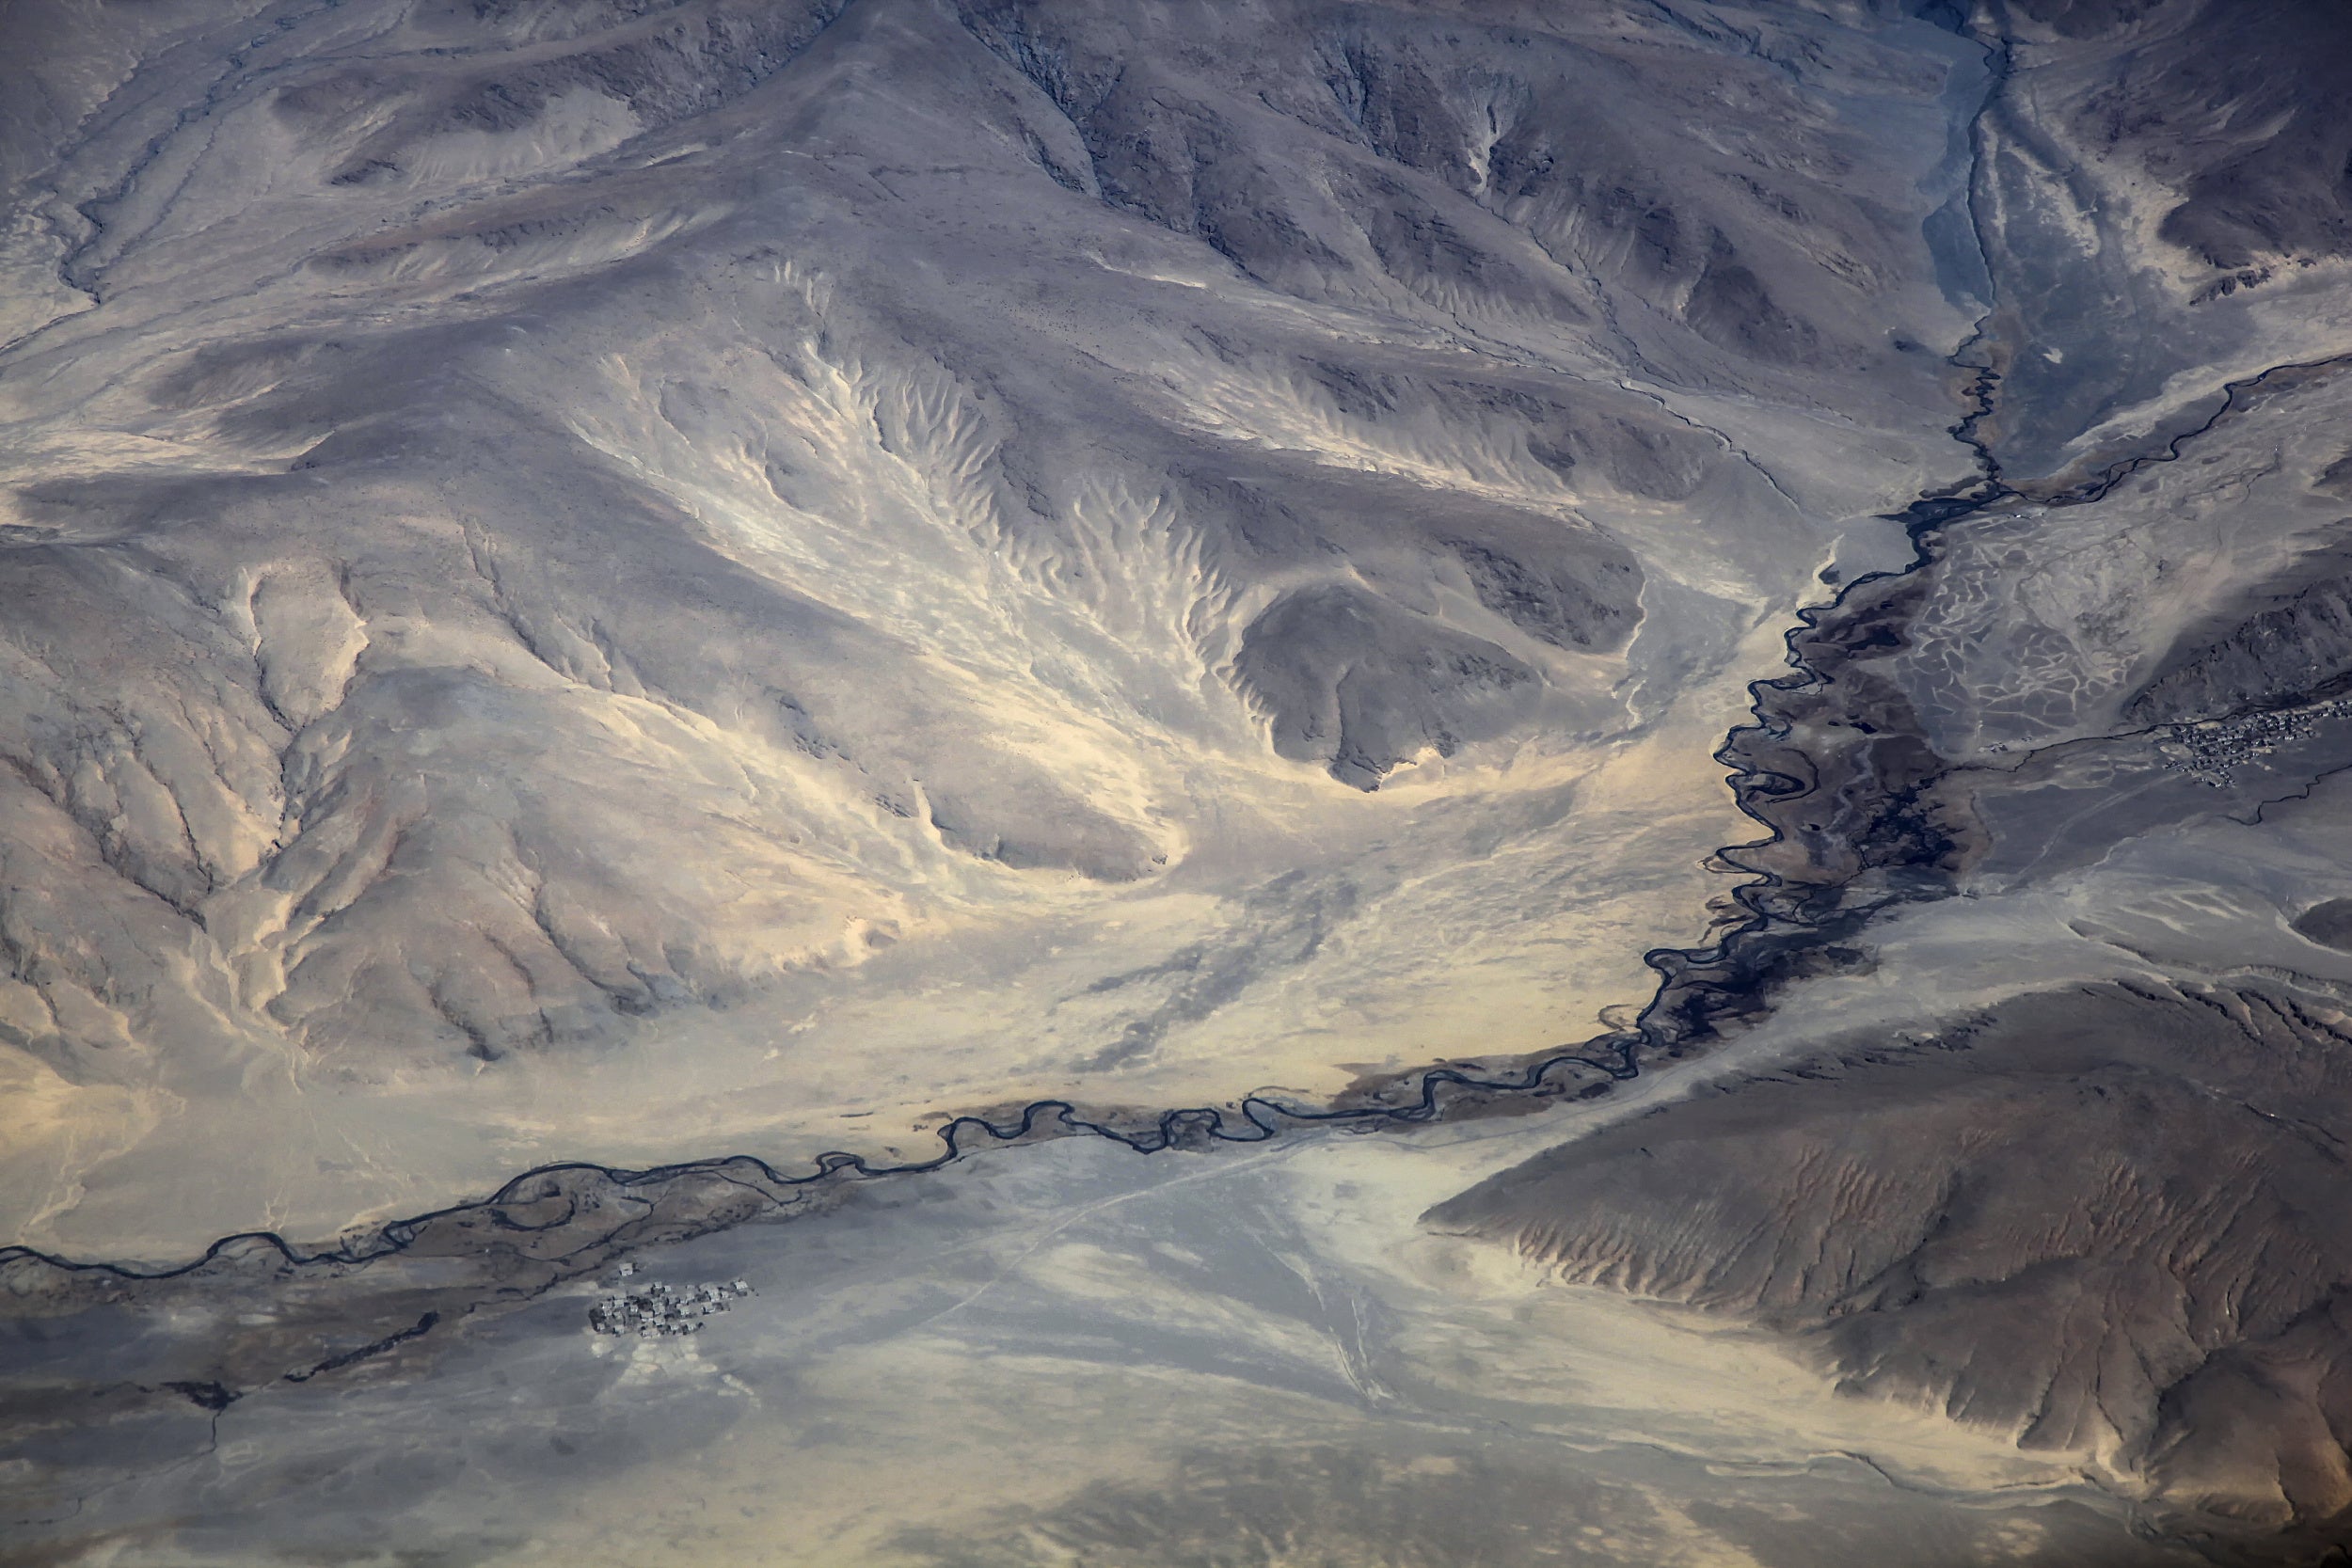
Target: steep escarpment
2300	649
1891	1206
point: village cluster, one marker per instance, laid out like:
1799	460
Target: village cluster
2212	752
661	1312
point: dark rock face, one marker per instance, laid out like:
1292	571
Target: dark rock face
2300	647
2093	1220
2235	108
1545	602
1362	686
2273	182
1516	112
2329	924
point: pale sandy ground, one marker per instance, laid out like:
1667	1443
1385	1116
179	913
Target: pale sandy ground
1072	1355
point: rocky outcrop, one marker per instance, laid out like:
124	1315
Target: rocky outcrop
2096	1221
